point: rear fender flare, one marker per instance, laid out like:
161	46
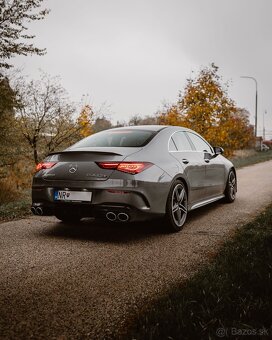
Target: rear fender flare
184	181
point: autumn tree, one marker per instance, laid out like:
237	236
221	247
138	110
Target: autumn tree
14	39
206	108
240	129
170	115
85	121
45	116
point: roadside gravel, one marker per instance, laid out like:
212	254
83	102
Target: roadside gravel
87	280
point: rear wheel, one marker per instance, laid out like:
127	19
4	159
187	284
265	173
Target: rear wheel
230	191
67	217
176	206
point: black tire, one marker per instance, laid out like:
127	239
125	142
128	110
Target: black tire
67	217
231	187
176	206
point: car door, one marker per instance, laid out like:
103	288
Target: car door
214	167
192	163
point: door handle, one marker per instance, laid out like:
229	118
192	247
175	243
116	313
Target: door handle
185	161
207	160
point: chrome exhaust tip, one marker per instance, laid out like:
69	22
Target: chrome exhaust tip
39	211
111	216
123	217
33	210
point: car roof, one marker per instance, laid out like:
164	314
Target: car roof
154	128
140	127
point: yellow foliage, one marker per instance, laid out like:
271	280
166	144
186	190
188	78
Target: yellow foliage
206	108
171	117
85	121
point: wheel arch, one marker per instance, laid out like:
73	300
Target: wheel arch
184	181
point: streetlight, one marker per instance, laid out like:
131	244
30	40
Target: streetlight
256	102
264	113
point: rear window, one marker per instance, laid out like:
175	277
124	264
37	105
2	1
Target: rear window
117	138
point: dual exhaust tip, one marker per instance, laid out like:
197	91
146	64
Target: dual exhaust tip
111	216
122	217
37	211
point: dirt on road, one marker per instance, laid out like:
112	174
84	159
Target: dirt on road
86	280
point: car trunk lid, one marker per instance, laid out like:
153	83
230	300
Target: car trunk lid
81	164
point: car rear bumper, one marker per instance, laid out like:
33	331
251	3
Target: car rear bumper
97	211
139	199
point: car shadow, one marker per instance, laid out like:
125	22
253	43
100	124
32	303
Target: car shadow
105	232
102	231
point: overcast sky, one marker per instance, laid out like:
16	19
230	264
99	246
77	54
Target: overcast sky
135	54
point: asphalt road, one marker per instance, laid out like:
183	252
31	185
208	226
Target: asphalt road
85	281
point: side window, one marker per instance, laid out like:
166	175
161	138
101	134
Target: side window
172	146
199	143
181	142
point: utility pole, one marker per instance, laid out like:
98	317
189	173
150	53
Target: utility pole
256	101
264	113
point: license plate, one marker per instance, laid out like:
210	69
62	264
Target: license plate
66	195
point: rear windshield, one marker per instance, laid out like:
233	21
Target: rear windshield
113	138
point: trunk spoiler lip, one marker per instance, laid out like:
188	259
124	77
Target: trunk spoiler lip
85	151
113	151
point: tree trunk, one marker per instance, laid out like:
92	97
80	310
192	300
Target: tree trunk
35	154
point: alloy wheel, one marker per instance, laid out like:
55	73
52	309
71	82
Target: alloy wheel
179	205
232	185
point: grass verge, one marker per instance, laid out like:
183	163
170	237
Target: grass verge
16	209
230	297
256	157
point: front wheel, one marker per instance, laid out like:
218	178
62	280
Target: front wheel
231	187
176	206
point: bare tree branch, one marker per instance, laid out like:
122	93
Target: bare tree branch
46	116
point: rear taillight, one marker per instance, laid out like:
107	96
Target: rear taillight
45	165
108	165
133	167
128	167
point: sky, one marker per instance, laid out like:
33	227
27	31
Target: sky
131	56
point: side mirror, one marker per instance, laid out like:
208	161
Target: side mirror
218	150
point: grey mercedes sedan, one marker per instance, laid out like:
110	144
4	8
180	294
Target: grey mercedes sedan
132	174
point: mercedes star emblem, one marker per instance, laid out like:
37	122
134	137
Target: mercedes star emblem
72	168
